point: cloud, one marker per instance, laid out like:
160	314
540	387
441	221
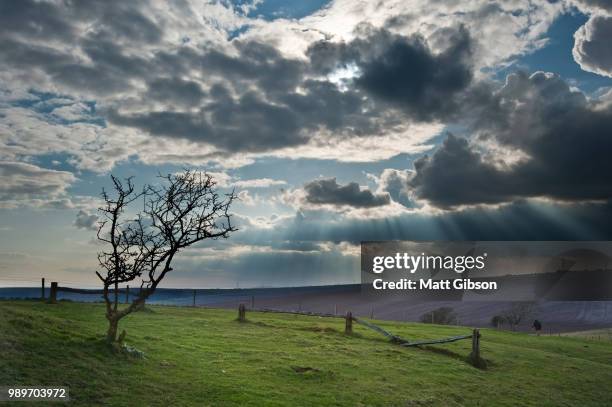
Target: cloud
592	49
561	135
246	199
520	220
327	191
258	183
210	84
596	4
175	91
225	180
504	30
403	70
28	184
395	183
85	220
26	133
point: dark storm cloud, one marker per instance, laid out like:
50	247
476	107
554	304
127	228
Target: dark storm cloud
256	62
34	19
565	141
328	191
602	4
60	20
456	174
403	70
592	50
175	91
246	124
275	115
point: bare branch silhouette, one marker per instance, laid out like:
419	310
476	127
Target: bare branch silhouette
182	210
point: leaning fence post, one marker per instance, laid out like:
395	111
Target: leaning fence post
42	296
241	313
53	293
348	325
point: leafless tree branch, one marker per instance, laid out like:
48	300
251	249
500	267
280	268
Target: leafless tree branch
182	210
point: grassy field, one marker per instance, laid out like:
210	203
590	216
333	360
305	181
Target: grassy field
594	334
204	357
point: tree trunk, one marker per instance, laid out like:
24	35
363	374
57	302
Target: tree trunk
111	334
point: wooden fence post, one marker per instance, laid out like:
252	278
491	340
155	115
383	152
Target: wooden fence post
42	294
194	297
348	325
241	313
475	355
53	293
127	295
476	343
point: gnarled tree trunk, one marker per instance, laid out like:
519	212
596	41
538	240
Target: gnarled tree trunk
111	333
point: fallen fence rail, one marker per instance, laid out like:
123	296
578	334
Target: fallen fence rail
307	313
474	357
394	338
438	341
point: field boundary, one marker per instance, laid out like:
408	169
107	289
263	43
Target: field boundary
474	356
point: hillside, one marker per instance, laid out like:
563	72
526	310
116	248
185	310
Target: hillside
198	356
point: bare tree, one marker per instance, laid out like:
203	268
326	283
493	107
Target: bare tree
184	209
518	313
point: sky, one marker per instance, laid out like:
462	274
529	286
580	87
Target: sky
335	122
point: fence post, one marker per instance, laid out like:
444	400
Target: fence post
475	355
371	312
241	313
42	296
476	343
348	326
127	295
252	302
53	293
194	297
335	309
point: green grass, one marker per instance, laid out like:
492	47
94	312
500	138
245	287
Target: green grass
594	334
204	357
